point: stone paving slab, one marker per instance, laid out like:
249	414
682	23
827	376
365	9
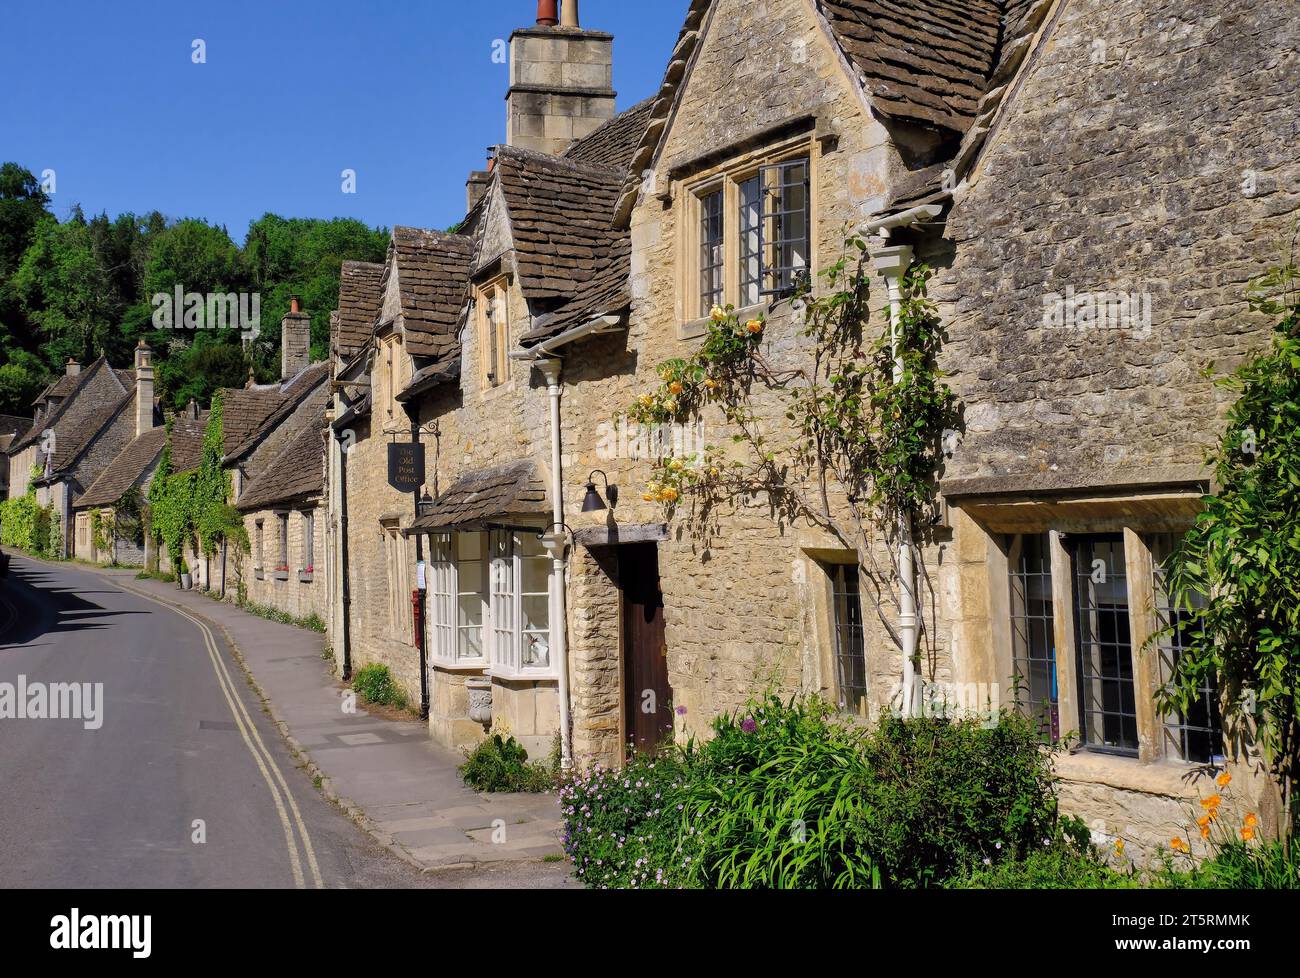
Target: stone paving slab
386	774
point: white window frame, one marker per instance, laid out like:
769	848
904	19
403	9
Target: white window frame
446	579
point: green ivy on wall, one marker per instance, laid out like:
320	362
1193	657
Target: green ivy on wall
193	508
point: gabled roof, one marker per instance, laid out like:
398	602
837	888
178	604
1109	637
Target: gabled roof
249	414
925	61
613	144
560	219
298	473
10	425
68	449
608	293
125	471
938	63
187	440
433	278
361	294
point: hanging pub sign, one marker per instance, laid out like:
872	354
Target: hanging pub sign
406	466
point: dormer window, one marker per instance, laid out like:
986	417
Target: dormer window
492	302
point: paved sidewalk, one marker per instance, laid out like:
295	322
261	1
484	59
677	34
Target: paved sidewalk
387	775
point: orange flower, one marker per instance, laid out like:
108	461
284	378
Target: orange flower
1205	831
1178	845
1211	803
675	387
1224	779
1251	820
1247	834
1203	821
754	326
1119	847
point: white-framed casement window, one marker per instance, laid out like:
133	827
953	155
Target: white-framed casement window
493	304
490	603
748	236
458	603
260	546
521	605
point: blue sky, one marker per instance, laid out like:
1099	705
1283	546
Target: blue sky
404	92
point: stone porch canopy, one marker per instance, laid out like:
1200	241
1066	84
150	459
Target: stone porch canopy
504	497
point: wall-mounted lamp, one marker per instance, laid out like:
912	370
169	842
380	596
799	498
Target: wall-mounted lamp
592	502
424	506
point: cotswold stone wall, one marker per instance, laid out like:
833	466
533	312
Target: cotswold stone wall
1150	150
746	600
294	596
371	503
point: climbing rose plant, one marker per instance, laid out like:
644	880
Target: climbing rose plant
860	448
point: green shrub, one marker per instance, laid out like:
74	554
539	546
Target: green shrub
787	795
375	684
623	829
944	796
775	798
1060	866
500	764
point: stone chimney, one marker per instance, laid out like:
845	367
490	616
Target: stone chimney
561	81
475	187
73	368
295	341
144	388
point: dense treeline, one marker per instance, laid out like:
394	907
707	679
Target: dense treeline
83	287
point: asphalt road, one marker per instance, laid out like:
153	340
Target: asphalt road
184	753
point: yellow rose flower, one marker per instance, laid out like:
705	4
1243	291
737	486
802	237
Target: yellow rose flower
754	326
675	387
717	314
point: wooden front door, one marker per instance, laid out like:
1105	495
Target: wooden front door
647	697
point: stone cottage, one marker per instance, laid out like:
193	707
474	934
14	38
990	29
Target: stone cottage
108	518
1037	154
82	422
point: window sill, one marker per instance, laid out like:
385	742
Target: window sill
281	575
510	676
1173	779
259	574
305	578
460	665
697	328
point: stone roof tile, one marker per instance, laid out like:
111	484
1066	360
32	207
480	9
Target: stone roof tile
361	294
127	469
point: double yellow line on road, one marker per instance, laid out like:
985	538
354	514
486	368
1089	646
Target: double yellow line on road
286	807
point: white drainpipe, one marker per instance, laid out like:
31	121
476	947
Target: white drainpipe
556	541
892	263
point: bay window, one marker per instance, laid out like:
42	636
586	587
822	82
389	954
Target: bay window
490	602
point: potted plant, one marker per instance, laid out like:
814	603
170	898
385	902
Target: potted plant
187	581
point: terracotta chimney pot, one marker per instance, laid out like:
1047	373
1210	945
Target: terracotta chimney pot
547	14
